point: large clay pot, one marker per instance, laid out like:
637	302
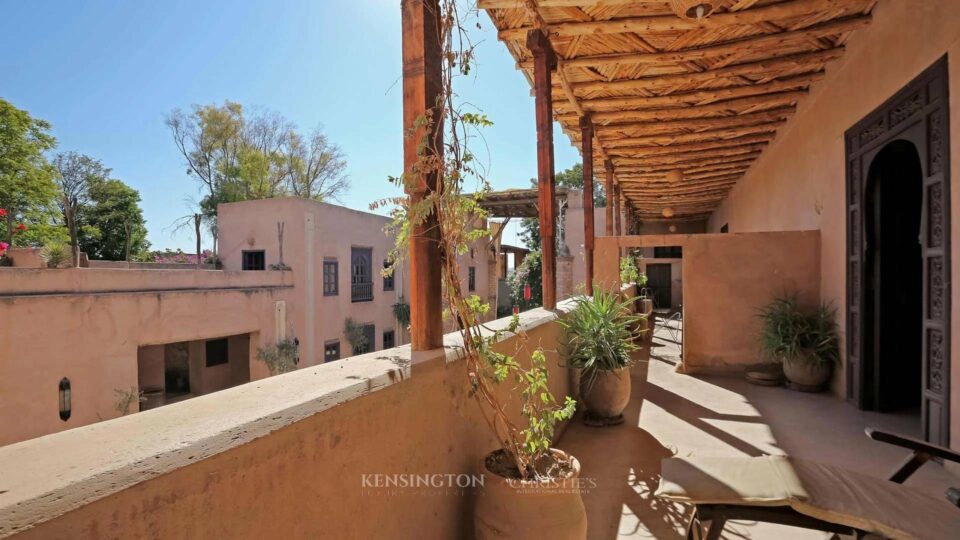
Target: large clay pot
609	394
510	509
805	374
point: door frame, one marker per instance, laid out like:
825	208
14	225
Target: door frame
918	113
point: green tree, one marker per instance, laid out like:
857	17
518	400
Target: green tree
75	173
27	189
110	219
529	273
239	154
571	178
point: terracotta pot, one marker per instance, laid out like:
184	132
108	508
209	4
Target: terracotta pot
517	510
609	394
807	375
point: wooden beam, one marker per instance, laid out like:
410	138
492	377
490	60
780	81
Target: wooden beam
616	209
683	158
725	133
650	180
521	4
770	42
768	67
671	23
695	147
545	62
608	169
661	170
422	88
786	100
695	124
701	97
586	136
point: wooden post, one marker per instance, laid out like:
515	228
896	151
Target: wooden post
586	131
616	209
544	61
422	87
608	167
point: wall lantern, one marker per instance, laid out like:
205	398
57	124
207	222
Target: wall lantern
65	406
668	212
675	176
527	293
693	9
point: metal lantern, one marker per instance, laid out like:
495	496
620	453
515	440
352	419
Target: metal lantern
668	212
65	406
693	9
675	176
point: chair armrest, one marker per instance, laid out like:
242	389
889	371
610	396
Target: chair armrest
913	444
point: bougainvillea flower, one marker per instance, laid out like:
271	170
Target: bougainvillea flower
3	247
2	212
21	227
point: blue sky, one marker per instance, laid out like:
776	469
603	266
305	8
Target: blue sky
105	73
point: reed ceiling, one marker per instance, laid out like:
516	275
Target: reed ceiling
667	93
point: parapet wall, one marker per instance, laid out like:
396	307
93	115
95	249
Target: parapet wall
283	457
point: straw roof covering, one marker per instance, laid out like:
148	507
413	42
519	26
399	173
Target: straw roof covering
510	203
669	93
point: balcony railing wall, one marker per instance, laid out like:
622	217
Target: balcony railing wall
282	457
361	292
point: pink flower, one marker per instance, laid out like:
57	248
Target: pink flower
2	212
3	247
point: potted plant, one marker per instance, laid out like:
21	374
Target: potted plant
529	488
806	343
600	334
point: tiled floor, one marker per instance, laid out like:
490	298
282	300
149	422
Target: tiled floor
674	414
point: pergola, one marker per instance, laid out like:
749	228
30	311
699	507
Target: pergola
674	100
677	108
511	203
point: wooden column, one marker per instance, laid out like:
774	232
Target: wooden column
422	86
608	185
544	61
616	210
586	132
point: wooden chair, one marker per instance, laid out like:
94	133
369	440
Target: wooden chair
811	495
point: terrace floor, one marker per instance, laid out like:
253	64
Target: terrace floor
675	414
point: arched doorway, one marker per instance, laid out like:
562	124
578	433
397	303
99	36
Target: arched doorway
907	136
893	275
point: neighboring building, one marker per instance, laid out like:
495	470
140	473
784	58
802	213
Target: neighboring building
73	339
95	333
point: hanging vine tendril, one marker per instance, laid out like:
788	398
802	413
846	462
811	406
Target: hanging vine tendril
460	223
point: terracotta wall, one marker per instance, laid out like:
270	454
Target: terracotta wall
88	324
726	277
798	183
301	474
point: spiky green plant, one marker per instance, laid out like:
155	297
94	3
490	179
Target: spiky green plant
789	332
600	334
54	254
